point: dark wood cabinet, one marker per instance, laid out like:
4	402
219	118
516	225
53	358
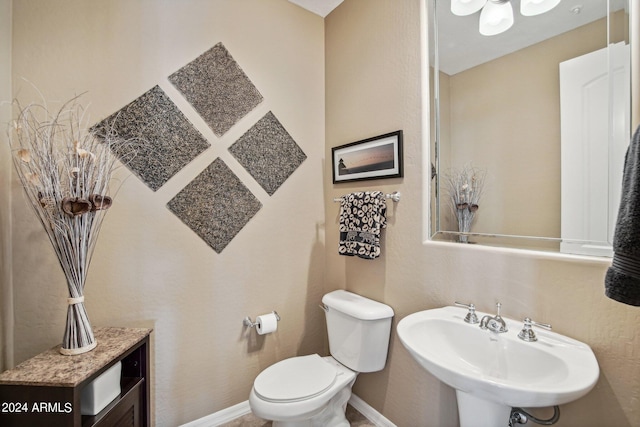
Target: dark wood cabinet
46	389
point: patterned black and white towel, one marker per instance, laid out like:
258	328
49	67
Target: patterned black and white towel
362	217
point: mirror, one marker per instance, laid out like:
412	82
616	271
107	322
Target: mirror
509	114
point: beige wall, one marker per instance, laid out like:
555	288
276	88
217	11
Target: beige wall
634	34
6	313
373	85
149	269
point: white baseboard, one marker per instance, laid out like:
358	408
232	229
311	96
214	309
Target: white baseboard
231	413
372	415
224	416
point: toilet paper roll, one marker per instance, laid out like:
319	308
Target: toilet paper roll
267	323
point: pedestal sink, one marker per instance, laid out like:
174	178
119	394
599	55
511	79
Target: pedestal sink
493	372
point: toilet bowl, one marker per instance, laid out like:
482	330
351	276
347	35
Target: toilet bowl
313	391
304	391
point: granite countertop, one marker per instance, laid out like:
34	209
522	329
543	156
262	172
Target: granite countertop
53	369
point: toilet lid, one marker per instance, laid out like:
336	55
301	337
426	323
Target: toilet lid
297	378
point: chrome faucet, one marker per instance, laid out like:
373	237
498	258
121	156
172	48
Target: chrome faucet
471	317
527	334
495	323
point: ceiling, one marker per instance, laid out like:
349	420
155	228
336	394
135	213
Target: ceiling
461	46
319	7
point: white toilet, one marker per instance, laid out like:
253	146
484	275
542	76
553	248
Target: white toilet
313	391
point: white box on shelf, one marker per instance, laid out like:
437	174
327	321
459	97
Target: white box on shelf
101	391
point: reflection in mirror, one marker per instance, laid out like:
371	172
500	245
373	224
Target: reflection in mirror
542	110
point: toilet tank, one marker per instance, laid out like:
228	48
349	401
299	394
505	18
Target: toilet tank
359	330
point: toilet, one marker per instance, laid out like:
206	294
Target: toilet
313	391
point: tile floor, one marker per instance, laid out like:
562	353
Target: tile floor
355	418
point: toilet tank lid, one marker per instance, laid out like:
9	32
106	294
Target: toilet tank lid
357	306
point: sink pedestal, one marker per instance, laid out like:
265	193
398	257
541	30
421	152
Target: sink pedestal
476	412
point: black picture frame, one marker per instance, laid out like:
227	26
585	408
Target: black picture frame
372	158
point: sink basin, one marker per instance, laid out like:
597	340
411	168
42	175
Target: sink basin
498	371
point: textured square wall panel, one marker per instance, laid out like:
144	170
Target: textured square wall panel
217	88
268	153
216	205
165	140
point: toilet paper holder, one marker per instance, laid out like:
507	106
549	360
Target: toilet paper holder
248	322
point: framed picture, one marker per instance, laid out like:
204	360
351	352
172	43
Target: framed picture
372	158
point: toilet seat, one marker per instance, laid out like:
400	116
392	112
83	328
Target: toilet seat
295	379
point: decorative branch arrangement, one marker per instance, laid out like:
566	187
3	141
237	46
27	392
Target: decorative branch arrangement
465	189
65	171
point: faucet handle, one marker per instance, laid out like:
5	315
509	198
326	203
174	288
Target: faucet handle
527	334
471	317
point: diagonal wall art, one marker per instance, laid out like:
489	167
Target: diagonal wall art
268	153
166	139
217	88
215	205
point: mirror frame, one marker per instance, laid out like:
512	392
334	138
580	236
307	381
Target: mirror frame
431	141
